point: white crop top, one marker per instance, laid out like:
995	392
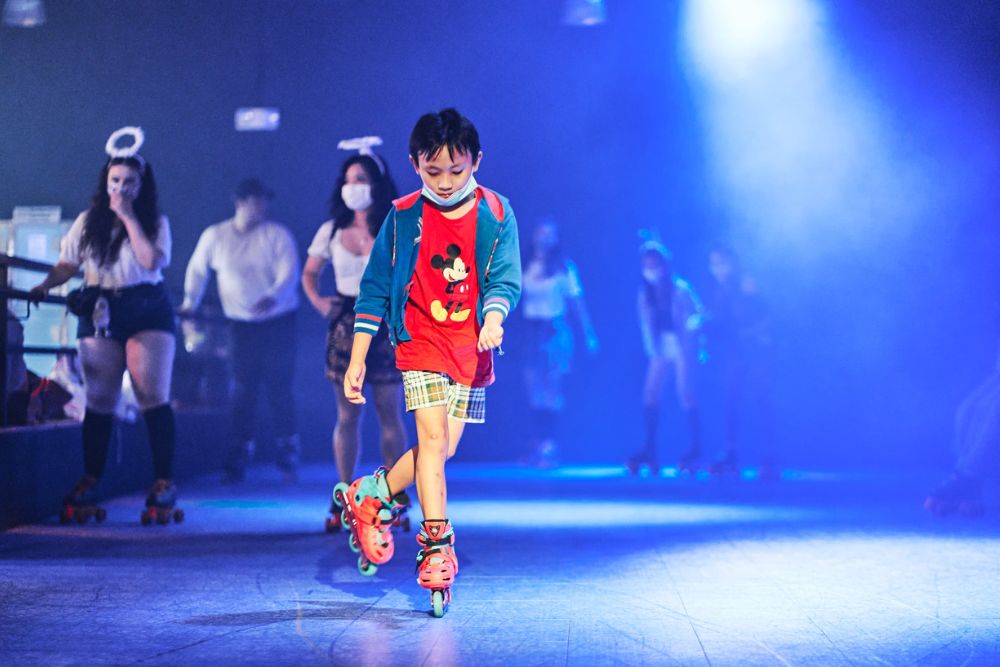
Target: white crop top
545	297
348	268
126	271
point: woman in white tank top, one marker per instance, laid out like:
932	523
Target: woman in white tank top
359	204
551	294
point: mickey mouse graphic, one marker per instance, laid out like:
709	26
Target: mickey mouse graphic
455	271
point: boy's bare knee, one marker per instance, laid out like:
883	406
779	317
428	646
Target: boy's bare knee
435	442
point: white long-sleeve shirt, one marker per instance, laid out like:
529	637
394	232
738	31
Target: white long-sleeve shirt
249	266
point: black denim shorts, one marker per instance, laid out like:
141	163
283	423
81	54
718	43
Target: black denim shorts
144	307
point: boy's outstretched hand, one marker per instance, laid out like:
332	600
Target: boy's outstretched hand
491	335
354	380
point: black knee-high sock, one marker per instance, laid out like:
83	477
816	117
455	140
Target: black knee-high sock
162	437
96	441
651	415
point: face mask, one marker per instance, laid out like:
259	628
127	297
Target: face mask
357	196
455	198
128	191
652	275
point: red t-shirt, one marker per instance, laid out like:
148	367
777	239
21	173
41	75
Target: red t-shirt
441	310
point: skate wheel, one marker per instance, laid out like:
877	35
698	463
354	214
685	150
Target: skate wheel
178	516
81	517
100	514
437	604
352	542
65	517
345	519
146	518
366	567
162	518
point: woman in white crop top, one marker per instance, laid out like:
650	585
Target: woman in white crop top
126	322
359	204
551	293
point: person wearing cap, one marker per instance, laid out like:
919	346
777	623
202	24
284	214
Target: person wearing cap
362	196
256	265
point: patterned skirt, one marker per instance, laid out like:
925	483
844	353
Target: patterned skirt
381	361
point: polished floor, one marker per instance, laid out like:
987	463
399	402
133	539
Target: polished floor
577	566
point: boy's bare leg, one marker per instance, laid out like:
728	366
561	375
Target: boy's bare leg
431	453
403	472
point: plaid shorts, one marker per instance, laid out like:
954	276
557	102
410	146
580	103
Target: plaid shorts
424	389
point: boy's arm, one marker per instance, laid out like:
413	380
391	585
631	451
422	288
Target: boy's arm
354	378
503	282
373	302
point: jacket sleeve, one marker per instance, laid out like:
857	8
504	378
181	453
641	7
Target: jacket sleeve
503	279
373	303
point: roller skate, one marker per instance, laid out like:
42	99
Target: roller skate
437	563
637	462
959	493
368	513
160	504
80	504
725	466
400	509
689	463
334	522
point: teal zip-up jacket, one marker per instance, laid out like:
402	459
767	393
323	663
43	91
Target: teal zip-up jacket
385	286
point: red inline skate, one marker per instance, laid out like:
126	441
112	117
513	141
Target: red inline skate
368	513
437	563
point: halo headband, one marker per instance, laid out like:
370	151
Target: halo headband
651	243
363	145
115	151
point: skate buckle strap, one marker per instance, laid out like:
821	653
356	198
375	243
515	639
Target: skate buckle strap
431	551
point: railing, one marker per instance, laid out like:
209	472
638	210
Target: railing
7	294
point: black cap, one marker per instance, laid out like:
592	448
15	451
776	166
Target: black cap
252	187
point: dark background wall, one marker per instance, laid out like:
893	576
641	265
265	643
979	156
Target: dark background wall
597	127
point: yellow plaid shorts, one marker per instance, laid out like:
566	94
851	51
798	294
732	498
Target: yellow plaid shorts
425	389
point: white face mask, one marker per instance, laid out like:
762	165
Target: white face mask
454	198
357	196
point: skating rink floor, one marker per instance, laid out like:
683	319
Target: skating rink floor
577	566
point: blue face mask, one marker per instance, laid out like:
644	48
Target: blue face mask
455	199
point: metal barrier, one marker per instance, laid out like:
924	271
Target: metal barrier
8	262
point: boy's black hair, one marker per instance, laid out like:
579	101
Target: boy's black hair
444	129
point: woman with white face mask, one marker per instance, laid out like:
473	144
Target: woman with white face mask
670	317
359	203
